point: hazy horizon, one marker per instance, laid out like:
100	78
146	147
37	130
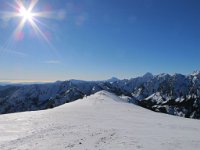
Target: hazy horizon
90	79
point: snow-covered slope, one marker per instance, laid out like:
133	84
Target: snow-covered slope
101	121
173	94
18	98
177	94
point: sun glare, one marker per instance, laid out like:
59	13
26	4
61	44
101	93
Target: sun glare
25	14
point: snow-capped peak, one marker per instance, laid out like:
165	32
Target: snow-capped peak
98	122
105	96
196	73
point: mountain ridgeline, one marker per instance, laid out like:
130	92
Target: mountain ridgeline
172	94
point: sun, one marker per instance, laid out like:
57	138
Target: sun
26	14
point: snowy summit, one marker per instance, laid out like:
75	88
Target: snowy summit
100	121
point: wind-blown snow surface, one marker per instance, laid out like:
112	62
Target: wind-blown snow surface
101	121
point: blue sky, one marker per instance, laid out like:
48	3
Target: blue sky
98	39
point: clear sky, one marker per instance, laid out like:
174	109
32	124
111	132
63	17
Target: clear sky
98	39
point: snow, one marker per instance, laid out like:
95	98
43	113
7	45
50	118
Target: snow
125	98
196	73
100	121
156	97
173	91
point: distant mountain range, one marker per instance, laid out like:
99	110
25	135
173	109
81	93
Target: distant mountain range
172	94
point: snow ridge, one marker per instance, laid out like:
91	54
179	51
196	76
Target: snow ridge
100	121
173	94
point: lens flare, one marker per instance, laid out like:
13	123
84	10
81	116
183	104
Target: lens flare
26	14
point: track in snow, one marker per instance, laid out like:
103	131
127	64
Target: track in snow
102	121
